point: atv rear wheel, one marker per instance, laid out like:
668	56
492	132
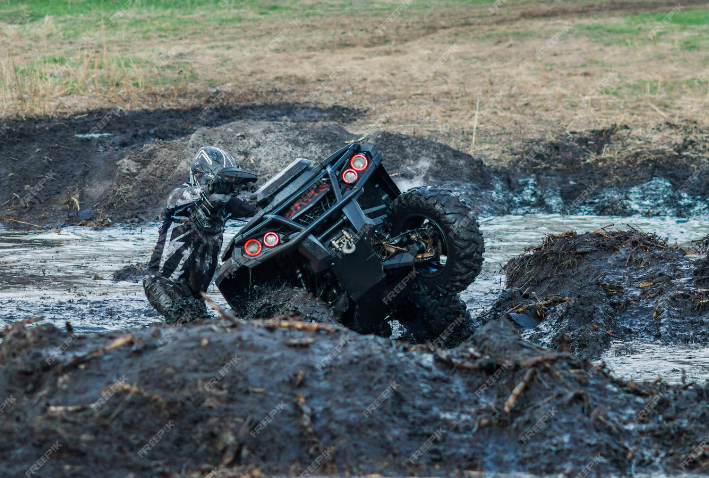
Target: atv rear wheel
442	320
450	225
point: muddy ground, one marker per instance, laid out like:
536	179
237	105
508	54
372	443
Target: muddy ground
588	290
264	397
51	176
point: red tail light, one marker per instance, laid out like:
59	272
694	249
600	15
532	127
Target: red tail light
271	239
359	162
252	248
350	176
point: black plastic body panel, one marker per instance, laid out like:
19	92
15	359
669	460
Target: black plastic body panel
308	231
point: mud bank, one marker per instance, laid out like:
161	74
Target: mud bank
266	396
588	290
108	166
614	171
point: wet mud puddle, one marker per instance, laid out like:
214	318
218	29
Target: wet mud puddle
67	276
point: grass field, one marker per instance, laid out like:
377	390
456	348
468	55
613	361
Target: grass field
530	68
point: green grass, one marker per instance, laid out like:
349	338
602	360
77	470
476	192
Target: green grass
683	17
254	8
688	28
147	19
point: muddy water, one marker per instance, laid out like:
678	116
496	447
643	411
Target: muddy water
65	275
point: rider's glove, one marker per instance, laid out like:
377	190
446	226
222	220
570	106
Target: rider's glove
210	206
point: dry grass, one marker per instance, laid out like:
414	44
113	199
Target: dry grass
421	73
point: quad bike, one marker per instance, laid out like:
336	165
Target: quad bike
342	233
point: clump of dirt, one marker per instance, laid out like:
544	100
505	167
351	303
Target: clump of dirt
616	170
586	290
282	397
130	273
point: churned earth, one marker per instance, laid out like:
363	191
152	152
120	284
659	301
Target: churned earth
111	166
284	397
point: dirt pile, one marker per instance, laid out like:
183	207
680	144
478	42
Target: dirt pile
615	171
144	179
588	290
113	166
126	175
266	396
63	170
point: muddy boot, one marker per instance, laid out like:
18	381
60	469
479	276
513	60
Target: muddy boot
174	300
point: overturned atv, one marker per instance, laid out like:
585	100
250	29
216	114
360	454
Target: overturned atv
344	235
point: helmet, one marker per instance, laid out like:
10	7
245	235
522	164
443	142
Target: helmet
207	163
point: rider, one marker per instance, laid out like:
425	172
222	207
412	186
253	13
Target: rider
185	257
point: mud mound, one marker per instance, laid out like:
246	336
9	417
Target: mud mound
615	171
130	161
265	397
144	179
588	290
62	170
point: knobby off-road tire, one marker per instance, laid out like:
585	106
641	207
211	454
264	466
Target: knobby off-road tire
457	224
440	319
